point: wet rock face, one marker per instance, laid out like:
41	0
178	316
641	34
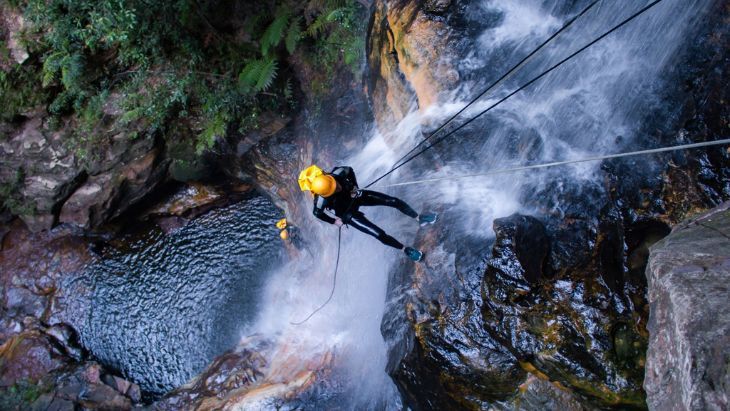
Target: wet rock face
542	312
36	372
43	172
31	269
574	330
408	49
256	374
11	26
689	344
522	239
439	354
52	185
562	295
233	372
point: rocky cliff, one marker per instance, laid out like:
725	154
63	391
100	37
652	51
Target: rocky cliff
560	297
689	330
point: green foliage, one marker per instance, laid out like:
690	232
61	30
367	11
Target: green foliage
214	129
343	41
257	75
4	52
293	35
19	91
167	62
274	32
21	394
11	196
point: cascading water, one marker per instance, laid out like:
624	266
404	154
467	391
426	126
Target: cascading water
605	100
608	99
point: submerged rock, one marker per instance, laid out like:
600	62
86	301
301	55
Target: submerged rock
689	326
257	374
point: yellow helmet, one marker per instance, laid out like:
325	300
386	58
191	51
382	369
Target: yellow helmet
281	224
324	185
307	176
284	234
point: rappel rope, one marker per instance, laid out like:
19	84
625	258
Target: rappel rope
398	164
560	163
334	281
500	80
522	87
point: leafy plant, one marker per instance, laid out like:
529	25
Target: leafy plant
170	63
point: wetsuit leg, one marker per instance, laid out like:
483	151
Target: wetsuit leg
359	221
374	198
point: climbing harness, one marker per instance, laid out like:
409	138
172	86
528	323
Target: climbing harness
522	87
334	281
560	163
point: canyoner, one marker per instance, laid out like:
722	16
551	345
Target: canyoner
337	193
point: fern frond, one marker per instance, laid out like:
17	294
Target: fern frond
335	14
258	75
214	130
51	67
293	35
267	75
72	68
317	25
249	76
274	32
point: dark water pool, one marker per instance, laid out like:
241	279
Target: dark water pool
159	307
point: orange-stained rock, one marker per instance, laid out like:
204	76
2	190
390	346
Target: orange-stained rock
257	374
410	58
27	356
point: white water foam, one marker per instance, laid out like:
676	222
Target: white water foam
577	111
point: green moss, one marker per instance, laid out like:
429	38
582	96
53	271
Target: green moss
19	91
21	394
12	198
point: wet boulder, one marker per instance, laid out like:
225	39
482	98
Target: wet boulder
256	374
689	344
439	354
523	240
32	267
106	196
40	171
571	328
28	356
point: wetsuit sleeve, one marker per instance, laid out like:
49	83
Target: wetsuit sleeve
350	173
319	210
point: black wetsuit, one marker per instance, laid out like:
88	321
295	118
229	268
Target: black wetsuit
346	206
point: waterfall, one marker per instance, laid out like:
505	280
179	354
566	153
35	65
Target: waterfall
606	100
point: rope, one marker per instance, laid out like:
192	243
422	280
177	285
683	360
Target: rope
501	79
334	281
524	86
560	163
